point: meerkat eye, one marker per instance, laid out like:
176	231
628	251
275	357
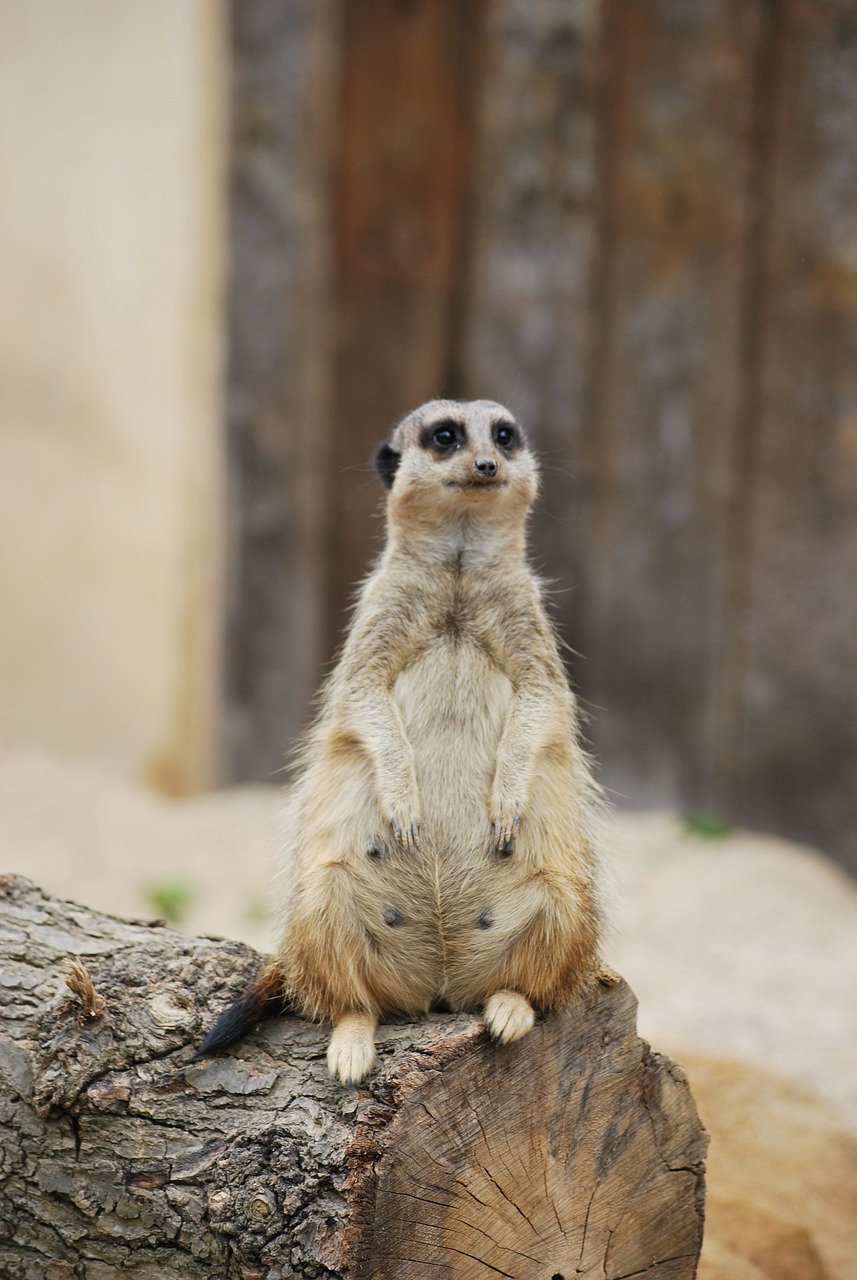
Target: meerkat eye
443	437
505	435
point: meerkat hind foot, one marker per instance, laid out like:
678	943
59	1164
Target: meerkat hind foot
508	1016
351	1052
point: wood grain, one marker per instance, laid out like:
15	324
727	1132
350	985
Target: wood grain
527	323
797	743
678	93
278	353
409	78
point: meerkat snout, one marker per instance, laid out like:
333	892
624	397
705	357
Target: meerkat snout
485	468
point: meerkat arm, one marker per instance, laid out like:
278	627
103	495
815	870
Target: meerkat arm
375	718
529	728
363	707
542	711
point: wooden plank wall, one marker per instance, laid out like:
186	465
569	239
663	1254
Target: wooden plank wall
405	137
666	383
797	738
634	222
279	353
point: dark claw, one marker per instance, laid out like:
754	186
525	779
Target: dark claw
506	849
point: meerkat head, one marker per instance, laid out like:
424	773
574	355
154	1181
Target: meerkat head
451	459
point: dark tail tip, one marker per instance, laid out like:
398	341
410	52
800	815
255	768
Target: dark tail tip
261	999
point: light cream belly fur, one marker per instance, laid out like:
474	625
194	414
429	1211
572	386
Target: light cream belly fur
439	920
454	703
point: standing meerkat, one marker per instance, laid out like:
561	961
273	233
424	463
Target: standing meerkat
440	845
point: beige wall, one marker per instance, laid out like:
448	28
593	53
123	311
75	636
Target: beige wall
111	247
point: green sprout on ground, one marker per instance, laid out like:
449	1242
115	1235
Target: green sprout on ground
707	826
171	899
256	909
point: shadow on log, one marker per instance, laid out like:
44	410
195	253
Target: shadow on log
575	1152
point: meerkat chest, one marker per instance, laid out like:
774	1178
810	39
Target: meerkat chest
453	700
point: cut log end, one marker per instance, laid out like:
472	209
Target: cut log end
575	1152
572	1152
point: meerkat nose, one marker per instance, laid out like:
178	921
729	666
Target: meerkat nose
485	467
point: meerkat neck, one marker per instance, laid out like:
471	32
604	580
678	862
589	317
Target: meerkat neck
465	543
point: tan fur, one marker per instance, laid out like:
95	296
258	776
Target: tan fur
446	731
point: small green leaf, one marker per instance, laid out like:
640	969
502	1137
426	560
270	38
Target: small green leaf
171	899
256	909
708	826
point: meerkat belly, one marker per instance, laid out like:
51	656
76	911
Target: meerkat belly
454	703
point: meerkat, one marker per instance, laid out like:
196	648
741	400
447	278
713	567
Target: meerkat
441	847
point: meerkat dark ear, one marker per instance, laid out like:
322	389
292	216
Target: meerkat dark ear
387	463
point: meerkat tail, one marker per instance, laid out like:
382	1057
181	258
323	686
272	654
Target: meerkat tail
262	998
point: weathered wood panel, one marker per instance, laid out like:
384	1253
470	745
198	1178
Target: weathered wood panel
666	384
278	358
409	75
526	329
633	222
798	742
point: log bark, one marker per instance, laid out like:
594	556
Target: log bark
576	1152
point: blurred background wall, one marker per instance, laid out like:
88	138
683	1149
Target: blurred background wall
111	262
633	221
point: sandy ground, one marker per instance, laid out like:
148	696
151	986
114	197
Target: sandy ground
745	947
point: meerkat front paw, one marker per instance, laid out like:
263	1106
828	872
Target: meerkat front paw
508	1016
505	821
351	1052
406	830
399	798
508	805
402	810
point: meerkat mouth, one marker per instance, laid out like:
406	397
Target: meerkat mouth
489	482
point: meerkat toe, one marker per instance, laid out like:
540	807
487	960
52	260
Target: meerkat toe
508	1016
407	832
504	833
351	1052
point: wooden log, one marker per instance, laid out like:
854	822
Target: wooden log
575	1152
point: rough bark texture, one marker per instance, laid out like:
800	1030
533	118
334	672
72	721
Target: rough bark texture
576	1152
